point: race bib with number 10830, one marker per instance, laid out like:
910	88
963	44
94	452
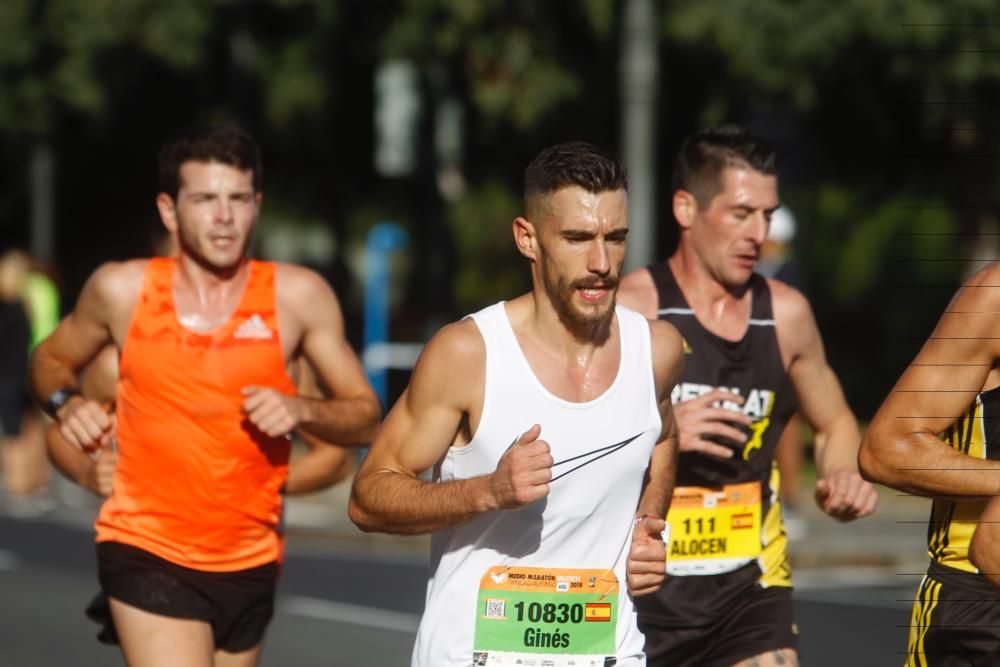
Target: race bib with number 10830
546	616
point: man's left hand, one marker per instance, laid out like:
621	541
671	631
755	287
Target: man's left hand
845	496
647	557
273	413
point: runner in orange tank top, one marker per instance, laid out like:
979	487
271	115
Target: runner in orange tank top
205	405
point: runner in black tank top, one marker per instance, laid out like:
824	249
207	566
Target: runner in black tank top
714	541
727	599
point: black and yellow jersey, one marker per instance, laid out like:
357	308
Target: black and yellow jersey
955	611
952	523
727	531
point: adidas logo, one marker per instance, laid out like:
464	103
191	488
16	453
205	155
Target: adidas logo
254	328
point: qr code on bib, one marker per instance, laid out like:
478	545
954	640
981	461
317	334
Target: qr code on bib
496	608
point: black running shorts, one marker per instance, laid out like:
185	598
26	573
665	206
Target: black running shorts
758	622
237	605
955	620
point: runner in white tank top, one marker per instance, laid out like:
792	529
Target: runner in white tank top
541	418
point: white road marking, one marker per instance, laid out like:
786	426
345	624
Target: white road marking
342	612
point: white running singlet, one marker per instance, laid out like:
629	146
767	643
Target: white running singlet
546	584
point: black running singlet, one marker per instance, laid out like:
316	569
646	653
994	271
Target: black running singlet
727	529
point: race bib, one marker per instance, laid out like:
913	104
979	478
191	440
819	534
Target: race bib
714	530
546	617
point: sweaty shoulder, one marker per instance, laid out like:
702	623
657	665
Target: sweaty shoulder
788	303
638	292
668	354
793	319
300	287
116	284
452	366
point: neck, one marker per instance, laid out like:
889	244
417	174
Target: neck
699	283
577	340
210	284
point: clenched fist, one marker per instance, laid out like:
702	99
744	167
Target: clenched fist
523	473
273	413
647	557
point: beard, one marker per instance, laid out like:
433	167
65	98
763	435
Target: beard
589	323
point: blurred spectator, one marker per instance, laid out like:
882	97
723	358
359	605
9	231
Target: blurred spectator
25	468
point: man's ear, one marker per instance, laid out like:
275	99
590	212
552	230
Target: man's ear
685	207
168	211
525	237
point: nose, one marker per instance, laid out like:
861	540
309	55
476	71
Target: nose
758	228
598	261
224	211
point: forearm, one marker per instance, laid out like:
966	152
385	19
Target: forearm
660	477
922	464
49	374
836	446
73	464
351	422
317	469
387	501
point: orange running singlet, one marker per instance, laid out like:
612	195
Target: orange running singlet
196	483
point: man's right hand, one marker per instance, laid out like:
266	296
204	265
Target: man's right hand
84	423
697	418
523	473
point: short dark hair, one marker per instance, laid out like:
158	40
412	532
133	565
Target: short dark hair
572	163
226	144
704	155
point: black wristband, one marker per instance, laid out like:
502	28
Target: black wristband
59	398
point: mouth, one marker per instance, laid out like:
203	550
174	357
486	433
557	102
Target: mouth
747	261
595	292
223	241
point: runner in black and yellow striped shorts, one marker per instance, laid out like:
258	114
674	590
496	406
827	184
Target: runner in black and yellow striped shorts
938	434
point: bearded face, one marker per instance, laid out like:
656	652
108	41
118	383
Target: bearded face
581	249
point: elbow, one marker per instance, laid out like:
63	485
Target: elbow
359	514
878	460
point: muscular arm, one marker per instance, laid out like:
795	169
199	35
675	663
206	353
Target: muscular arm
447	383
324	464
668	361
840	491
102	310
101	317
901	448
95	471
820	396
350	414
647	553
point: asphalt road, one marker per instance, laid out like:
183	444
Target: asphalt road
340	607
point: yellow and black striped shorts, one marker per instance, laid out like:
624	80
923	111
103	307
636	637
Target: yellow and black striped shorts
955	621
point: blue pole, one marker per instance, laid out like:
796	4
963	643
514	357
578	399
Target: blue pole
383	239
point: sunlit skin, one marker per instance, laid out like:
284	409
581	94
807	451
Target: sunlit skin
214	214
578	243
212	219
726	236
